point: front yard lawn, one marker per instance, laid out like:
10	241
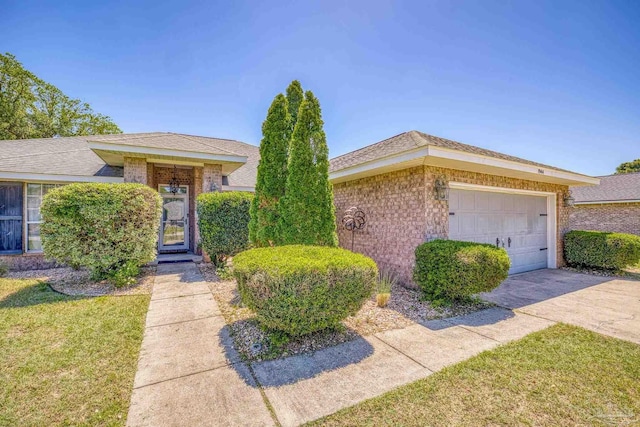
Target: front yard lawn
562	376
66	360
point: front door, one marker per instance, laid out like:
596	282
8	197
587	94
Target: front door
174	228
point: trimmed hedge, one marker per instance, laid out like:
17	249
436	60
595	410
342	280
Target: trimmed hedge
111	229
223	219
302	289
610	251
449	270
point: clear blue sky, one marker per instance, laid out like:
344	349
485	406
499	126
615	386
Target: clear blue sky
551	81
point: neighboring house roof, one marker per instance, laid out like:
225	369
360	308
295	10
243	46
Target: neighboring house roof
397	150
73	157
612	189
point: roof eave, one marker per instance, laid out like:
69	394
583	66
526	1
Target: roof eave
43	177
461	160
113	154
606	202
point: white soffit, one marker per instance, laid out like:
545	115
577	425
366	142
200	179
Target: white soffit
461	160
113	154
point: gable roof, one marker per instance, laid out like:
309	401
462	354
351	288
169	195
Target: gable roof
612	189
413	139
73	156
399	146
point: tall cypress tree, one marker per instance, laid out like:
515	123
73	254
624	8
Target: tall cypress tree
307	210
295	96
272	173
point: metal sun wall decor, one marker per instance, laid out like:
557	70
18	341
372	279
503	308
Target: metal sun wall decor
353	219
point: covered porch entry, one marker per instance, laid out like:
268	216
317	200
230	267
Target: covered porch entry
178	174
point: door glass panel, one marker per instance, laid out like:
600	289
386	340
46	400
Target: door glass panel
173	221
173	233
165	189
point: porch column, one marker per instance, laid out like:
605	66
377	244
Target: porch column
135	170
211	174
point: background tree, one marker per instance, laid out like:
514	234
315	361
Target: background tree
628	167
33	108
272	173
307	210
295	96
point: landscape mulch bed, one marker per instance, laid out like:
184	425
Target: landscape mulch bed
628	273
405	308
78	282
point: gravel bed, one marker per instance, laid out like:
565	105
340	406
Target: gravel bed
404	309
78	282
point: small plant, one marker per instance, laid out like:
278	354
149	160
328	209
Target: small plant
386	282
3	269
224	272
126	275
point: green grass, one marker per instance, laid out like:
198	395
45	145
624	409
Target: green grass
64	360
561	376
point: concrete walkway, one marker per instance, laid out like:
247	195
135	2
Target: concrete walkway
188	373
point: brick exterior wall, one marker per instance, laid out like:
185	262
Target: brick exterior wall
614	217
30	261
135	170
402	212
211	174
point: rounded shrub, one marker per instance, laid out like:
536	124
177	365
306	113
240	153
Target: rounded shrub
111	229
597	249
302	289
223	220
448	270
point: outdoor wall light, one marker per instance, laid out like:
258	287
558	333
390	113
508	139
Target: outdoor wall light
215	187
174	184
569	201
442	189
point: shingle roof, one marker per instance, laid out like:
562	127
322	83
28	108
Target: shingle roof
72	155
414	139
169	141
612	188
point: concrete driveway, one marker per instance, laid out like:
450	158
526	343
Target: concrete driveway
607	305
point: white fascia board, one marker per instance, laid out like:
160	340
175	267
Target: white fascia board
150	151
606	202
464	156
380	163
238	188
461	156
40	177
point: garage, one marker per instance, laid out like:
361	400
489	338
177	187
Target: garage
519	223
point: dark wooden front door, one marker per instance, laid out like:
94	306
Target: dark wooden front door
10	218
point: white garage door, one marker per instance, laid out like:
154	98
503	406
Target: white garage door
513	221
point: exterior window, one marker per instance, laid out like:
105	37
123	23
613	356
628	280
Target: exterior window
35	192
